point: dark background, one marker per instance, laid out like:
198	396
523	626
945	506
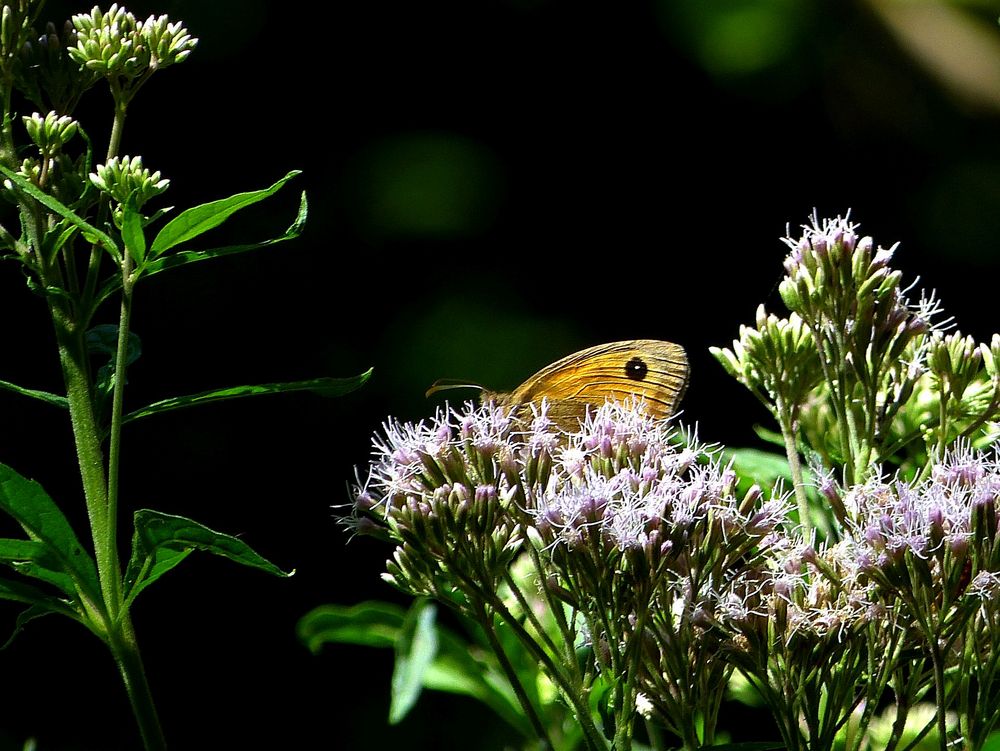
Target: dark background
492	185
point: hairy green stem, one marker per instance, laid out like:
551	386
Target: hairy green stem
126	653
72	358
787	425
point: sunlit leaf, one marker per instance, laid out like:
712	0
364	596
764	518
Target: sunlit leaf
197	220
321	386
415	650
161	541
44	522
89	231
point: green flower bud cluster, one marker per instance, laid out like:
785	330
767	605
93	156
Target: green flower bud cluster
169	43
846	371
776	360
14	21
51	132
123	176
955	361
117	46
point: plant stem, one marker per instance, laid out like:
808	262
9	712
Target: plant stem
126	653
573	693
114	440
72	358
786	422
86	434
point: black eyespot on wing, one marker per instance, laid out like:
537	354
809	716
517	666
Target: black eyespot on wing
636	369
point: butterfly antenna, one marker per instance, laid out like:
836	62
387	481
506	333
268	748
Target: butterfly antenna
446	384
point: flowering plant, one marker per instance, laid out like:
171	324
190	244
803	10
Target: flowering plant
85	239
642	571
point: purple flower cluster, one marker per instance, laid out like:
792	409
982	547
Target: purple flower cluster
940	525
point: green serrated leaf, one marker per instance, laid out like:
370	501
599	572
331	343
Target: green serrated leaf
197	220
746	746
132	234
321	386
89	231
161	541
371	624
415	650
44	396
44	522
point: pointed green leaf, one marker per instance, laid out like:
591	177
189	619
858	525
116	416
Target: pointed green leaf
37	610
57	237
197	220
132	234
44	396
161	541
89	231
38	515
184	257
20	591
454	668
34	559
321	386
370	624
415	650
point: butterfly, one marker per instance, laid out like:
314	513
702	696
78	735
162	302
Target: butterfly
653	371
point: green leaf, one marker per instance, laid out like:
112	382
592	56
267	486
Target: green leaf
992	742
745	746
415	650
454	668
90	232
761	467
370	624
38	515
103	340
19	591
44	396
33	558
161	541
37	610
321	386
57	237
184	257
197	220
132	234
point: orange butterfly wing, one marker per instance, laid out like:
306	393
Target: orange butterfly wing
652	370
